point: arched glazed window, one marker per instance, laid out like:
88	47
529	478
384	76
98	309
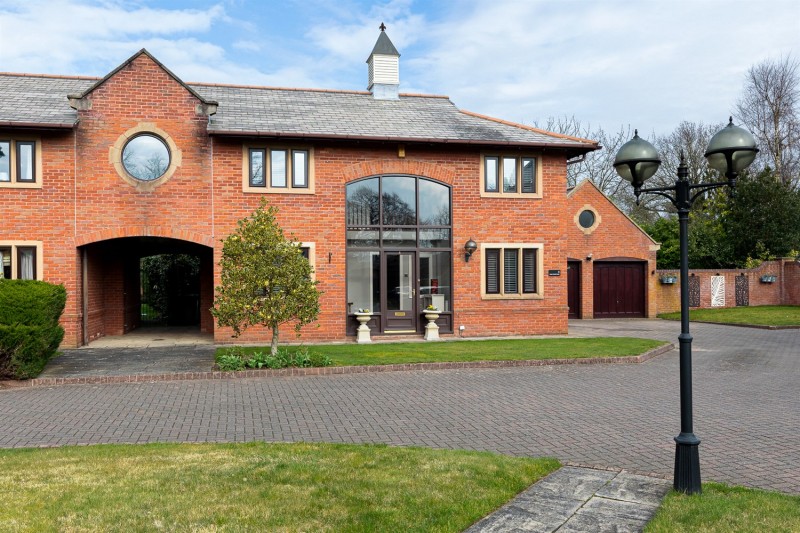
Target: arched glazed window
399	248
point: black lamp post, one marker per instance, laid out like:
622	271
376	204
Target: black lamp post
730	151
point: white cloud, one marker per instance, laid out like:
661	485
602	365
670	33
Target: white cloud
647	63
653	63
56	36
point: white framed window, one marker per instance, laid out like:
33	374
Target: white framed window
514	176
278	169
511	271
21	260
20	162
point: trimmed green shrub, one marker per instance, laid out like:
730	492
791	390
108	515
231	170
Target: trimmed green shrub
25	350
30	302
29	328
236	358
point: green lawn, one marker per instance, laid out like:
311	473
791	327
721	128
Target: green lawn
724	509
256	487
484	350
762	315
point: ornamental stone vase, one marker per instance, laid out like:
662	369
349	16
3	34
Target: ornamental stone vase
431	329
362	333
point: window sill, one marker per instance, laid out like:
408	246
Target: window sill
535	296
20	185
512	195
273	190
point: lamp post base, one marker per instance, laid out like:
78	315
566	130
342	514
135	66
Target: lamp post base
687	464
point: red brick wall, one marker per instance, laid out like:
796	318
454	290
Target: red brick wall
483	219
85	201
791	282
784	291
614	236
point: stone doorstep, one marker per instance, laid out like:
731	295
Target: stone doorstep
580	499
329	370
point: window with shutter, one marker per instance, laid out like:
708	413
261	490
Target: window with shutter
529	271
510	176
493	271
510	273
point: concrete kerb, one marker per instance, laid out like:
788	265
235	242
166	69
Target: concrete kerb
336	370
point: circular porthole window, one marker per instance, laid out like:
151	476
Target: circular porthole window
146	157
586	219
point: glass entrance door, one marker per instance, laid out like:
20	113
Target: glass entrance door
400	312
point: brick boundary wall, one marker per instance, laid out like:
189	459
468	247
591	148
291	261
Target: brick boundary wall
784	291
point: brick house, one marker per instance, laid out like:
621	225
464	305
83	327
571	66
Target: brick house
382	188
611	261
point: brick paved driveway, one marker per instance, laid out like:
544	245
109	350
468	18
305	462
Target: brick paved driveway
747	408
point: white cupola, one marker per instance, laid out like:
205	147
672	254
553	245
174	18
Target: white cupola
384	69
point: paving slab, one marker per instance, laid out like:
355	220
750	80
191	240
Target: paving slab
570	500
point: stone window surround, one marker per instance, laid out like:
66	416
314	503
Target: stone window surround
312	259
37	245
538	295
115	156
268	188
597	219
537	180
37	162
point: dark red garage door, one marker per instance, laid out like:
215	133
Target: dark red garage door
619	289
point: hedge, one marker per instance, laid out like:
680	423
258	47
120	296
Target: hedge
29	328
32	303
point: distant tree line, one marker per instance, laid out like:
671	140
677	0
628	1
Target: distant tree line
761	221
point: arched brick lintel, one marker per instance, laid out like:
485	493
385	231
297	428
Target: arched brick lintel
399	166
144	231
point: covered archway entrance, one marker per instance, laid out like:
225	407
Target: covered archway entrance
132	283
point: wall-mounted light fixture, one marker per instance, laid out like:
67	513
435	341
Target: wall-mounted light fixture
469	248
589	257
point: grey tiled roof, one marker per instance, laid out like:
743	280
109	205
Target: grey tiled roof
38	100
42	100
311	113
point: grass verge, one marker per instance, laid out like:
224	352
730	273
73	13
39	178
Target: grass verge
724	509
256	487
484	350
762	315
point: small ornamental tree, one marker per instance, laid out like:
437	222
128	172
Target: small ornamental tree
265	278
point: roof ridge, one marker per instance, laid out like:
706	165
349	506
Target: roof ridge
129	61
56	76
270	88
529	128
302	89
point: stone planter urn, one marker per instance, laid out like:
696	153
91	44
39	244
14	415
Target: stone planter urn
362	333
431	329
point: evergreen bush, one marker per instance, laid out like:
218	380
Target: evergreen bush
29	328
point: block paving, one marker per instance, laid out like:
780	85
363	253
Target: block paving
746	406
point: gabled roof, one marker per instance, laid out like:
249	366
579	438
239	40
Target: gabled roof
590	183
128	62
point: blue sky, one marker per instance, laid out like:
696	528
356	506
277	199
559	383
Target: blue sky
645	64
